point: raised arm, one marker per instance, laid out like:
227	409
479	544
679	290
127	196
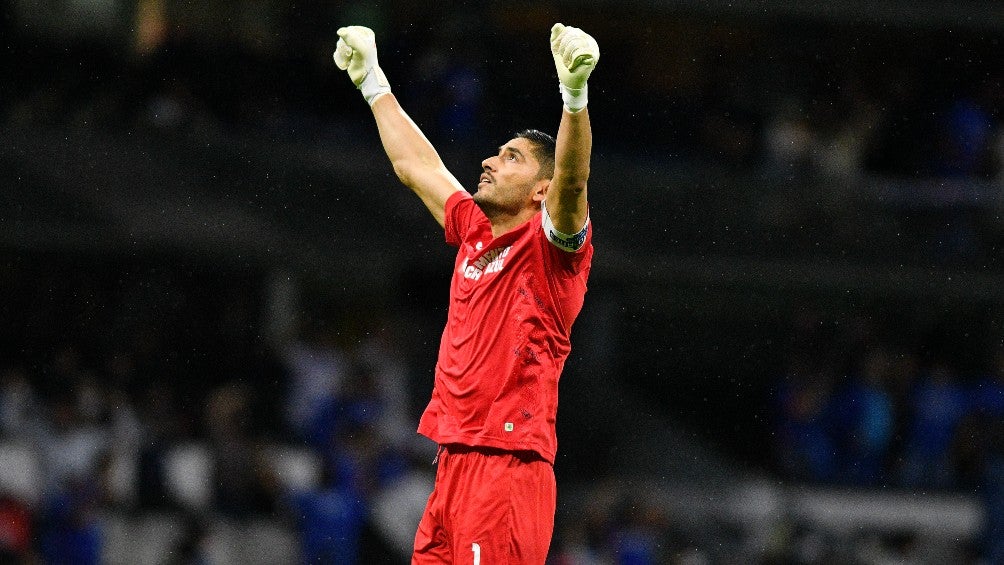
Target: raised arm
413	157
575	55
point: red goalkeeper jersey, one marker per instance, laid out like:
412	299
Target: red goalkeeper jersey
512	303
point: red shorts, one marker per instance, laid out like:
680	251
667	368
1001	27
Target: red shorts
490	507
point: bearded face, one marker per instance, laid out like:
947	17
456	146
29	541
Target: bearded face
509	179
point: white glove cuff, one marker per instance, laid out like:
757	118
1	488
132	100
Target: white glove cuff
374	84
574	100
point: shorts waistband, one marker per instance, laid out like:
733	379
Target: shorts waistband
525	455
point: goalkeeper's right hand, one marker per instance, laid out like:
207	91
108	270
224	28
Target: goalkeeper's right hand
575	55
356	53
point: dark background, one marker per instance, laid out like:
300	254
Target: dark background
774	187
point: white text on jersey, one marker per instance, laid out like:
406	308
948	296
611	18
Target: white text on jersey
491	262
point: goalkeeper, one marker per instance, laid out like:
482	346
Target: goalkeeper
524	253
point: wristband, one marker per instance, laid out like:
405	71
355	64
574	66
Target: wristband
574	100
374	84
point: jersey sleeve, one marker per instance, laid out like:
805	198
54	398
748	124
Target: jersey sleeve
460	208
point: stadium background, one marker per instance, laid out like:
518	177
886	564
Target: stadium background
222	310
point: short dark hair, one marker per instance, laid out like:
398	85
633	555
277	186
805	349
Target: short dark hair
543	150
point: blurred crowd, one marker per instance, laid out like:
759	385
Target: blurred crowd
894	421
822	100
857	408
112	372
628	526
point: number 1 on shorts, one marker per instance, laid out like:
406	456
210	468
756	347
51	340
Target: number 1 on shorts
477	553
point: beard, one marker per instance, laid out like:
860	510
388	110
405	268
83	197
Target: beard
501	201
489	205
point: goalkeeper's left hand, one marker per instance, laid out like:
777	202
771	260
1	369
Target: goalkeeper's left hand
356	53
575	55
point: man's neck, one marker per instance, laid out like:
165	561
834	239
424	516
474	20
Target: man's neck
504	223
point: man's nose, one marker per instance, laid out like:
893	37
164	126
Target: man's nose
488	164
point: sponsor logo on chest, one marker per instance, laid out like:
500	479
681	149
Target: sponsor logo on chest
491	262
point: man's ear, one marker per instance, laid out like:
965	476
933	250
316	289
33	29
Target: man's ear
540	190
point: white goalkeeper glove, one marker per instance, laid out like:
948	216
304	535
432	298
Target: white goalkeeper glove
575	55
356	53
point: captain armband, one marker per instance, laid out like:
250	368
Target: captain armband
563	241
